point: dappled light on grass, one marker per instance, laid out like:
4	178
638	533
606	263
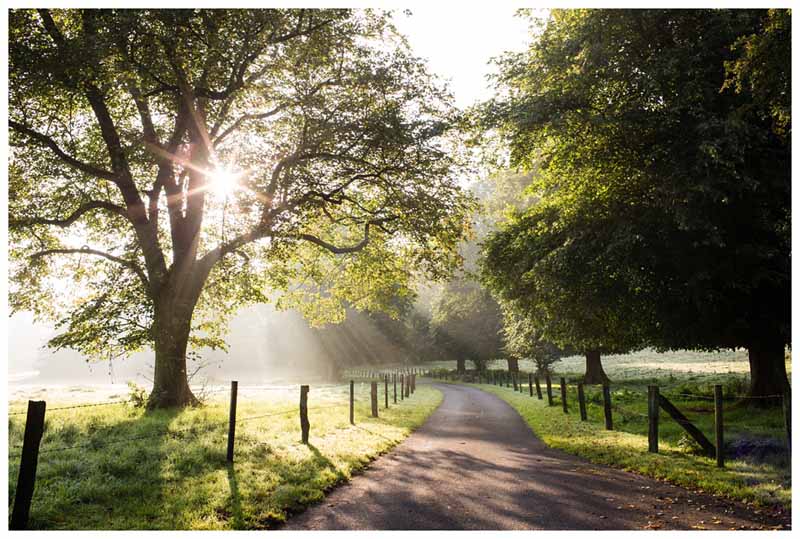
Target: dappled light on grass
767	483
184	482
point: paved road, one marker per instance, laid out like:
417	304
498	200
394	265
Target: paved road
475	464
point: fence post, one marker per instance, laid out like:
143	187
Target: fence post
304	425
564	394
386	390
394	383
549	385
607	406
352	404
530	383
718	426
787	417
582	402
652	415
232	419
538	387
373	398
402	386
34	428
514	380
408	386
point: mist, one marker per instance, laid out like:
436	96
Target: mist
264	346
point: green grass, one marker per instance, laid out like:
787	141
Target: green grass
645	366
765	483
182	480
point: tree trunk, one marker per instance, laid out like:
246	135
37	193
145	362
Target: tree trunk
513	364
594	369
461	365
170	382
767	371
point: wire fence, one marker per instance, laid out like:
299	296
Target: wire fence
629	406
329	394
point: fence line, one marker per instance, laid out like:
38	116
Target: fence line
656	400
30	450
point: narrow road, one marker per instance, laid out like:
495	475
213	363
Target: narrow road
475	464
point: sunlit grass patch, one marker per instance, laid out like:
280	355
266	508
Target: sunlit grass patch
182	480
765	483
672	367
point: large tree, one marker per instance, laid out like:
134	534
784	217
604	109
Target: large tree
665	142
169	166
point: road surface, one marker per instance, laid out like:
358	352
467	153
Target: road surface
476	465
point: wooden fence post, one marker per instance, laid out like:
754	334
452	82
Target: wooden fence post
652	416
607	406
402	386
514	380
304	424
394	384
787	417
564	394
386	390
530	383
232	419
538	387
408	386
687	425
373	398
718	426
352	404
549	385
34	428
582	402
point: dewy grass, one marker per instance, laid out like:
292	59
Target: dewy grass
673	366
766	484
182	480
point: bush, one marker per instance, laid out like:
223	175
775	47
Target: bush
137	395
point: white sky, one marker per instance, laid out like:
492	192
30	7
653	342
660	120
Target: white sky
458	43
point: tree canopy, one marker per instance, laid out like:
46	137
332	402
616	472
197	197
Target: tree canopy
169	166
664	179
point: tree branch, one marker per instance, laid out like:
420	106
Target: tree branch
74	216
44	140
247	117
133	266
346	249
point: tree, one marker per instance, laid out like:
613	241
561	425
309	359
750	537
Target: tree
466	321
664	141
174	165
523	340
547	272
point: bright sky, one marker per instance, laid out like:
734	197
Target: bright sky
458	43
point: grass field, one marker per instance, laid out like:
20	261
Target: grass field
758	469
665	367
181	480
